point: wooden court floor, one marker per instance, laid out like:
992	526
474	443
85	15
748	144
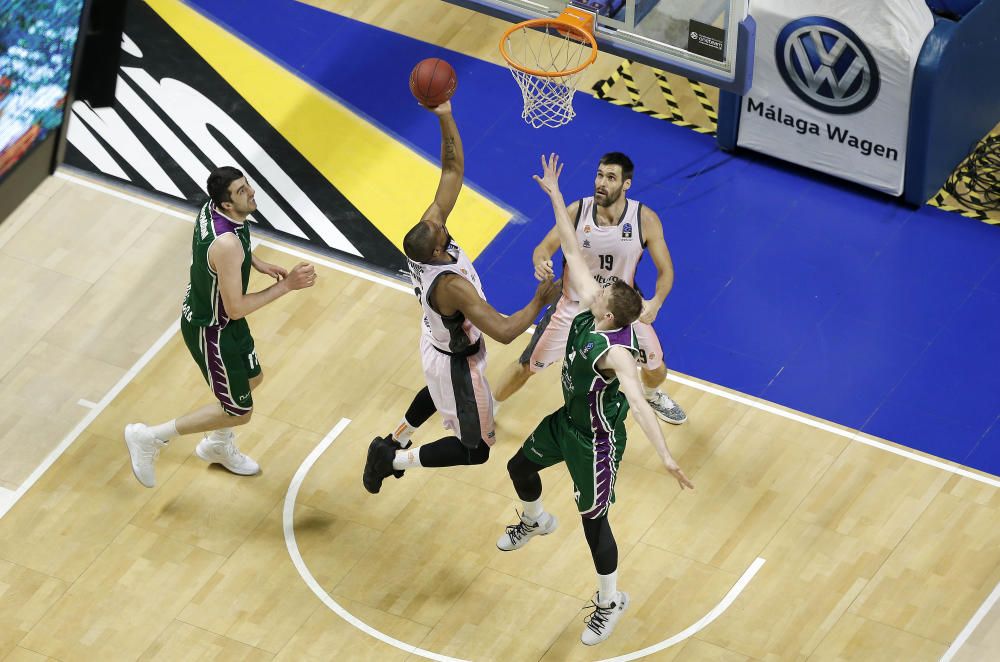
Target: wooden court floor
867	554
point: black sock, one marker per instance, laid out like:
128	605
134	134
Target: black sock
450	452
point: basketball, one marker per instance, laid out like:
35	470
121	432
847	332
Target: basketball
432	81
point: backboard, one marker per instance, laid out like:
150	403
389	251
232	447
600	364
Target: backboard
711	41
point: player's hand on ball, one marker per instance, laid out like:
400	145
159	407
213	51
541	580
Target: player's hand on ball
676	472
440	109
548	291
544	270
303	275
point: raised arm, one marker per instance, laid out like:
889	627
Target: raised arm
579	274
622	363
541	257
455	293
226	257
652	233
452	167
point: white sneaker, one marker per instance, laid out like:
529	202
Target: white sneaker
667	409
603	619
222	450
517	535
143	449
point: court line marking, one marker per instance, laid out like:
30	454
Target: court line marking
86	403
826	427
7	499
288	528
89	418
742	399
701	623
973	623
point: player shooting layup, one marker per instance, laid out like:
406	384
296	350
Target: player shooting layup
452	350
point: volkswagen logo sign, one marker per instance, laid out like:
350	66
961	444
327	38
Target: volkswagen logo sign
826	65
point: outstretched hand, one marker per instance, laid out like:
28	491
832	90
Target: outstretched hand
551	169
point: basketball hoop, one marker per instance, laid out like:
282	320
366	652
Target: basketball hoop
546	56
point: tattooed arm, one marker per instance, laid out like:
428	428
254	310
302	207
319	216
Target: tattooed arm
452	167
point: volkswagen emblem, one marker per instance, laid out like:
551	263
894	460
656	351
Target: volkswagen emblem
826	65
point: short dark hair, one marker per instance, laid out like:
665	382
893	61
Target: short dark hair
218	184
418	244
619	159
624	302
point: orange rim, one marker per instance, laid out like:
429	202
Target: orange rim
573	23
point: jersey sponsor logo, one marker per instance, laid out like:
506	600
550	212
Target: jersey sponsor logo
626	231
586	243
586	349
539	364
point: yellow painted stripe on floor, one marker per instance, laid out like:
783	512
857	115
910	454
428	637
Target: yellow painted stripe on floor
387	181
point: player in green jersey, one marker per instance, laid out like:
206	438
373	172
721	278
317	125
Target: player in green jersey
600	385
215	330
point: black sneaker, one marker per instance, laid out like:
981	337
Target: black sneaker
378	466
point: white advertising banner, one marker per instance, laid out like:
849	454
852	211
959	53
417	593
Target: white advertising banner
831	85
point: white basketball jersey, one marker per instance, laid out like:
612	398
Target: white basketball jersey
611	252
453	334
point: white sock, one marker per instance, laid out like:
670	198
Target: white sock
403	432
608	589
222	434
648	391
407	459
165	431
533	510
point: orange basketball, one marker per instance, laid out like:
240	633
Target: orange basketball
432	81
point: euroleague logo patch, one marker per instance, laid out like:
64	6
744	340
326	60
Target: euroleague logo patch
826	65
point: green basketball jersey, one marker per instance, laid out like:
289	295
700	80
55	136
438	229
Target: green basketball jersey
203	302
594	405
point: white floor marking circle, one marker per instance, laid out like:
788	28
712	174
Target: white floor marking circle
288	526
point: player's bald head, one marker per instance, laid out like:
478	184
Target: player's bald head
420	242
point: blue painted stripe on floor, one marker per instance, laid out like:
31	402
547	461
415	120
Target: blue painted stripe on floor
782	276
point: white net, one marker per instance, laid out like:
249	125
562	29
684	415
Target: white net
548	100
